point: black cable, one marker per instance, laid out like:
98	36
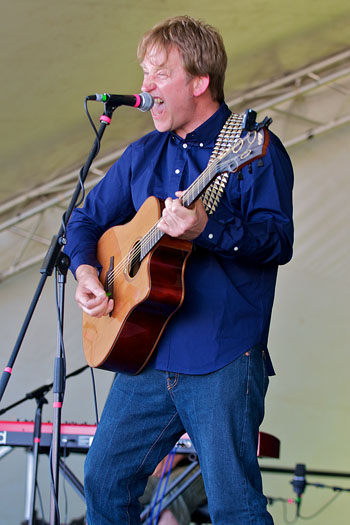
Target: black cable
60	328
40	503
63	390
318	512
82	188
94	393
93	126
64	484
52	483
284	502
64	479
98	142
285	517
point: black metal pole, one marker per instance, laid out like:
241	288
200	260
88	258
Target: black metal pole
58	390
309	472
36	443
53	252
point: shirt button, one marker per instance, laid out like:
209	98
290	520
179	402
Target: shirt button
184	145
235	249
177	171
210	236
201	145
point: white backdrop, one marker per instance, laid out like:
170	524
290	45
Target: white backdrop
308	400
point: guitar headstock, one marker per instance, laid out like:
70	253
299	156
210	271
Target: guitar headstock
244	150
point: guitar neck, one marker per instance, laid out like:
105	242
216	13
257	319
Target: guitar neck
244	151
198	186
190	195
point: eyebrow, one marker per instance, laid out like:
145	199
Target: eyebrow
161	66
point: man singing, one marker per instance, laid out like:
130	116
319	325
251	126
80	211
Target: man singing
209	374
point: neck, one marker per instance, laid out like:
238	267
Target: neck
208	109
205	108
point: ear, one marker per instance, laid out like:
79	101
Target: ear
200	84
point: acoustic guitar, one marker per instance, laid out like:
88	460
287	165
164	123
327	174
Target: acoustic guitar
143	272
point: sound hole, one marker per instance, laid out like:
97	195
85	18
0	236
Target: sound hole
134	260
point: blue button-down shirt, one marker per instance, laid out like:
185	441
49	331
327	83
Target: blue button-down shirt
230	276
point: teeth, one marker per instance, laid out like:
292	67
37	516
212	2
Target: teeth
158	100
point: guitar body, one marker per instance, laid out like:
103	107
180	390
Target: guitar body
145	295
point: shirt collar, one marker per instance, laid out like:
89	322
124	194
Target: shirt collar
209	130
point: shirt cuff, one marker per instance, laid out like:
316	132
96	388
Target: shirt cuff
211	234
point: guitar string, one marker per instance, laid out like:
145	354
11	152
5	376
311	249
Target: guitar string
192	191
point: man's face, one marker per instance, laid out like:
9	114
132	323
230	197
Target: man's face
172	89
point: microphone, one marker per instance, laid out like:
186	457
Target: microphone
143	101
299	483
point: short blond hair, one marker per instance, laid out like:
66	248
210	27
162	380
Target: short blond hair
201	47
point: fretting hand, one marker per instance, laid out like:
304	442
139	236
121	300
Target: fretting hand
181	222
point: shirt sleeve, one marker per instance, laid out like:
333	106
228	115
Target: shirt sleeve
107	204
256	224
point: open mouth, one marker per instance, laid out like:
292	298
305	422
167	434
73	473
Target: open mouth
158	100
158	107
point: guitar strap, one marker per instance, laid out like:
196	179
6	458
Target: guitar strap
230	132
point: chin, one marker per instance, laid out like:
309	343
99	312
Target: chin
161	127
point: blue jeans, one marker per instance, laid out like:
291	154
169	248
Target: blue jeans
144	417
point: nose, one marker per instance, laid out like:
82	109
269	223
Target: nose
148	84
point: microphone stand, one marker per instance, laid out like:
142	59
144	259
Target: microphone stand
39	395
55	259
299	484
